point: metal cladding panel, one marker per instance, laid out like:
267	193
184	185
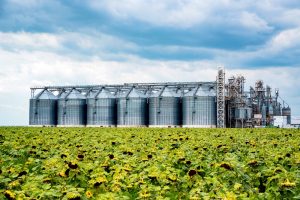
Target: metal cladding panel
199	110
287	112
132	111
71	111
271	110
249	113
101	111
240	113
164	111
43	112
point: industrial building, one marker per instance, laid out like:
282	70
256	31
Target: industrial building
218	103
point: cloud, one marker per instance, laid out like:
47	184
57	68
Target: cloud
253	22
285	40
55	42
35	67
167	13
27	41
182	13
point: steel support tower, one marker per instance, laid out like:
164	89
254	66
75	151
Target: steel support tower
221	98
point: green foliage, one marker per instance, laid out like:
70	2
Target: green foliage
144	163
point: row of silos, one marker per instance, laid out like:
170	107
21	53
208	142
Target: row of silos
163	108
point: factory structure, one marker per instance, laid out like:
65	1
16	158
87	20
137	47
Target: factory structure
220	103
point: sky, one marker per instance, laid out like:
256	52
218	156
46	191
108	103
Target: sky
68	42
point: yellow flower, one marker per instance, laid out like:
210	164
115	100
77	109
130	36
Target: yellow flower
98	181
172	177
101	179
252	162
89	194
127	167
51	162
115	188
11	170
230	196
14	184
73	195
144	158
288	184
62	174
144	194
9	195
237	186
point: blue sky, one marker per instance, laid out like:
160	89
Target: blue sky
52	42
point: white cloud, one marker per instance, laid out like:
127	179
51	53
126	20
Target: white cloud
253	22
186	13
286	39
169	13
18	41
54	69
38	61
29	40
288	17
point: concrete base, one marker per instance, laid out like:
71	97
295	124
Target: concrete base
199	126
42	126
101	126
164	126
71	126
131	126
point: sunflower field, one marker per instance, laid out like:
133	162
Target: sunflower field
144	163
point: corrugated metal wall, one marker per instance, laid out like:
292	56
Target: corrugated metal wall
164	111
101	109
132	112
165	108
199	108
43	112
72	109
132	109
199	111
43	109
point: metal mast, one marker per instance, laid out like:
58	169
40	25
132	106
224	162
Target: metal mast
221	98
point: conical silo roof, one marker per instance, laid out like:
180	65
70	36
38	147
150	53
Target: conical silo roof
201	91
45	94
92	94
103	94
167	92
133	93
74	94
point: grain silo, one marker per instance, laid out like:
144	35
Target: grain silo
199	107
132	108
164	108
43	109
101	108
72	109
214	103
286	111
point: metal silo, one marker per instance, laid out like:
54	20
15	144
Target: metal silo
164	108
72	109
264	115
43	109
101	108
132	109
199	107
271	110
286	111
